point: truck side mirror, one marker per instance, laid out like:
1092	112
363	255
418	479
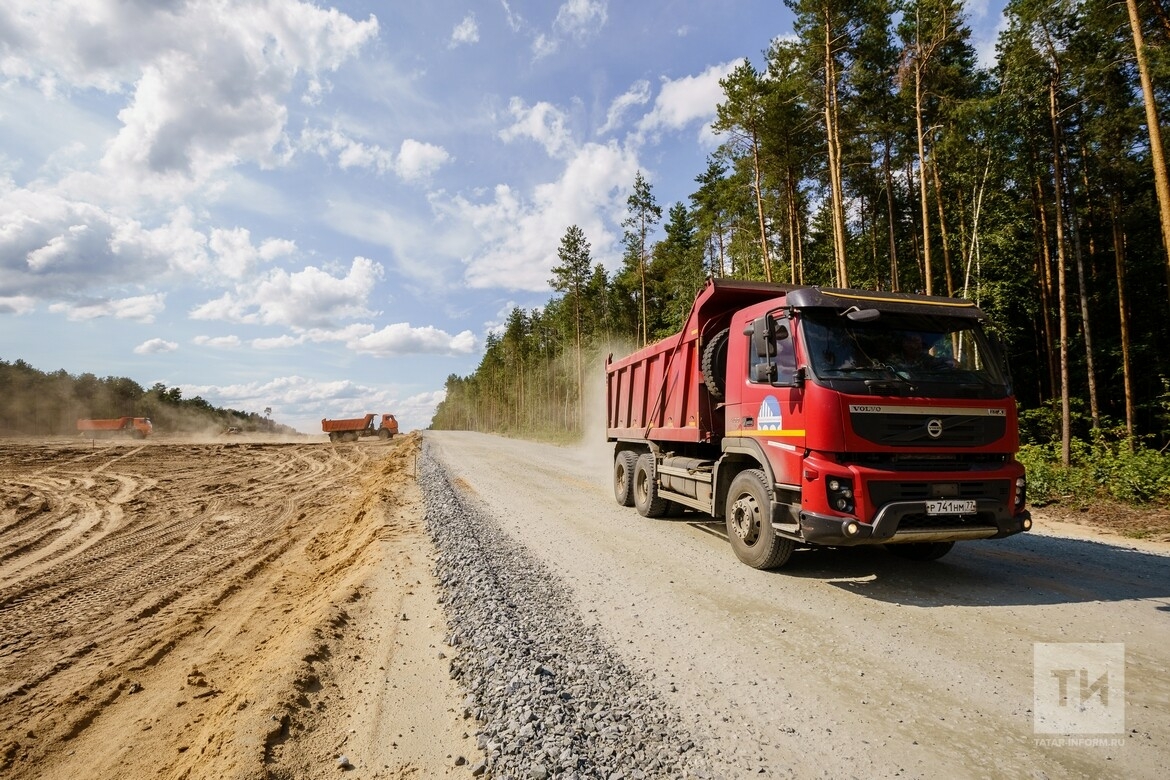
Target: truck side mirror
762	342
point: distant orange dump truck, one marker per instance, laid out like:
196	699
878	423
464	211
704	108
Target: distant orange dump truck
353	429
137	427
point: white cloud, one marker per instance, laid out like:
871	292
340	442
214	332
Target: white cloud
515	21
397	340
155	347
581	18
236	257
415	159
682	102
207	81
518	236
543	45
466	32
300	300
637	95
17	304
49	244
140	308
218	342
577	20
174	245
277	342
543	123
402	339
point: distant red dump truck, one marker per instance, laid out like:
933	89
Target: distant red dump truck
352	430
137	427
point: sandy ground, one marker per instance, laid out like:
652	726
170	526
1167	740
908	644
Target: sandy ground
247	607
221	608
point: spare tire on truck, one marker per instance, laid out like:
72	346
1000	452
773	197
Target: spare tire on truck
713	364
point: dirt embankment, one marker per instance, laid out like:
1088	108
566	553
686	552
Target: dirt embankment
219	609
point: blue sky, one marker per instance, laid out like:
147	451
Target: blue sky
325	209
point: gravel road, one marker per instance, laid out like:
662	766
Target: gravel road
598	643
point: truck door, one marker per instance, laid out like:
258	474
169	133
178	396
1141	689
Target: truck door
772	399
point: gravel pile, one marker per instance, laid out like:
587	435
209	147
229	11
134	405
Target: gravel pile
550	696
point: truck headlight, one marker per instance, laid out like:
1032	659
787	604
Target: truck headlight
1021	491
839	491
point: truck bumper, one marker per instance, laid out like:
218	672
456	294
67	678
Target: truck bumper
907	521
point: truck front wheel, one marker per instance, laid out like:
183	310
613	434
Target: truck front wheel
646	499
749	523
623	477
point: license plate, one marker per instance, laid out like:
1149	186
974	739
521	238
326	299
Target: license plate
950	506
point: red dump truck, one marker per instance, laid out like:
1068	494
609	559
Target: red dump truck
353	429
137	427
816	416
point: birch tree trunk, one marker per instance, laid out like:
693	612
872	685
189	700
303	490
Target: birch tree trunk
1058	204
1123	311
833	139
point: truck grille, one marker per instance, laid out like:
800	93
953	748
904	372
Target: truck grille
910	430
921	461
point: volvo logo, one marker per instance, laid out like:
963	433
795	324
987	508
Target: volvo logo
934	427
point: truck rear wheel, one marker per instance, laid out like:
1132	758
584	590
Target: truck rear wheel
714	364
646	499
749	523
921	551
623	477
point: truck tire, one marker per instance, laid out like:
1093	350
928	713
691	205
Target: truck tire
749	523
646	499
714	364
623	477
921	551
384	433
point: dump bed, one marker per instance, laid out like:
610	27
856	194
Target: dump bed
116	424
658	393
354	424
139	427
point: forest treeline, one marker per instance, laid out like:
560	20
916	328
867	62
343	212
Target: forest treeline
870	150
39	403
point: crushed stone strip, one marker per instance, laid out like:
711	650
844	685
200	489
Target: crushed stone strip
550	695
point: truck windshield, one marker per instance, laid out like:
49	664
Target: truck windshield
926	352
